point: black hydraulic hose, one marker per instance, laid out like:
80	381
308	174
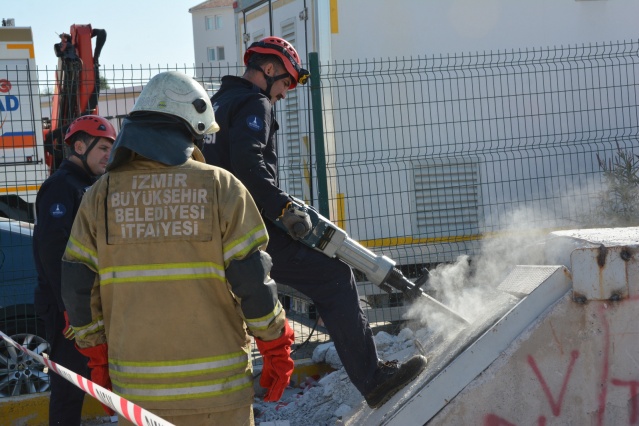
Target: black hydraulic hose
99	42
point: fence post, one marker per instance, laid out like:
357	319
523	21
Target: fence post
318	132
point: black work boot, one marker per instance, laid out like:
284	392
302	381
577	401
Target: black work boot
391	376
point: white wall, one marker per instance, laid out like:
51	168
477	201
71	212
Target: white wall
380	28
225	36
434	126
383	28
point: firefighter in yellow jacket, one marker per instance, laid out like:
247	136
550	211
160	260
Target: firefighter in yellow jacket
165	271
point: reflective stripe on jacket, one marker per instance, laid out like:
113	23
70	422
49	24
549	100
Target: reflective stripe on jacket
159	238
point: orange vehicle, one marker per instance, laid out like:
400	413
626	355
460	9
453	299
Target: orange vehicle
77	85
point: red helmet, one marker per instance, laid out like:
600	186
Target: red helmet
286	52
92	124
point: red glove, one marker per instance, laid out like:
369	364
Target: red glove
68	330
277	366
99	365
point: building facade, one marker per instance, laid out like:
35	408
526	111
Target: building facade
214	33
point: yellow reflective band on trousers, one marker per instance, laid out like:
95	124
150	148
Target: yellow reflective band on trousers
161	272
239	248
81	253
262	323
181	391
166	369
160	380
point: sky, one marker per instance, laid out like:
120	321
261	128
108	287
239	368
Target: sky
139	32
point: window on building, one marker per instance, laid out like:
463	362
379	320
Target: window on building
258	35
213	22
215	53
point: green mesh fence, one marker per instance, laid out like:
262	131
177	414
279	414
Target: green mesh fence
425	159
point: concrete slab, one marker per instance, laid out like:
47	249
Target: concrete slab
456	357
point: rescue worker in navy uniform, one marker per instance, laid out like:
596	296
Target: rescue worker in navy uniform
245	146
165	271
88	142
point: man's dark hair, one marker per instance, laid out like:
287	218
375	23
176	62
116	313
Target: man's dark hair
83	137
79	136
261	59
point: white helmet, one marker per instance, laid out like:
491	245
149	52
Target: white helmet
177	94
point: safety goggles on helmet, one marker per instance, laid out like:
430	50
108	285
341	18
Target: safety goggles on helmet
277	46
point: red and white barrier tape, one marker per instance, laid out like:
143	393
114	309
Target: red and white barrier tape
130	411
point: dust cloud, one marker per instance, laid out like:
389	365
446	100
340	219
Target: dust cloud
468	285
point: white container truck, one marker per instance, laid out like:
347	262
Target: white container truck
22	157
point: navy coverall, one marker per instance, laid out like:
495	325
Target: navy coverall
57	203
245	146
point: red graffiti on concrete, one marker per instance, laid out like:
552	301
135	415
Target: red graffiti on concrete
634	397
554	405
605	368
495	420
632	385
602	385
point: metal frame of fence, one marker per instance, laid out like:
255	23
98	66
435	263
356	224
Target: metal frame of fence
425	158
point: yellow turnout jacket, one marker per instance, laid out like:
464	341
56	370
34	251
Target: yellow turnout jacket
159	239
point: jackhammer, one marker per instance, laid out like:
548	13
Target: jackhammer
327	238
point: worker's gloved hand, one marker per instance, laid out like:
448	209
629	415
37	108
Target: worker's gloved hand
68	330
99	365
277	365
296	221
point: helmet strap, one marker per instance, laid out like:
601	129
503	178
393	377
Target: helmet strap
269	80
83	157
